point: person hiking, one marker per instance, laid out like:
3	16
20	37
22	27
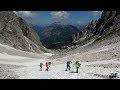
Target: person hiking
49	63
47	66
41	65
68	65
77	64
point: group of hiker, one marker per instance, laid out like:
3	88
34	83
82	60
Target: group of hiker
48	65
68	64
77	64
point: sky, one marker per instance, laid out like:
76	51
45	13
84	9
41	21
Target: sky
67	17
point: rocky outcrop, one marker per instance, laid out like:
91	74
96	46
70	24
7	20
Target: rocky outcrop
85	33
108	23
15	32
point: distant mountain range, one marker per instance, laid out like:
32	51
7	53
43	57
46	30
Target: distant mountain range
80	26
56	34
38	29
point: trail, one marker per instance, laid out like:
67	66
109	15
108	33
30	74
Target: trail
58	71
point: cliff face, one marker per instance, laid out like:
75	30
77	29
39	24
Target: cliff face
15	32
108	23
84	34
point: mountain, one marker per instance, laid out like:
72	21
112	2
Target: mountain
15	32
108	25
38	29
85	33
57	35
80	26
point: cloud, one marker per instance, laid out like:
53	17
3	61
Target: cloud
60	14
79	22
25	13
96	13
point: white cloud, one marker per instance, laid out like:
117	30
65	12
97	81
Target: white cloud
79	22
60	14
25	13
96	13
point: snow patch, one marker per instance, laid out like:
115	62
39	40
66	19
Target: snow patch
48	54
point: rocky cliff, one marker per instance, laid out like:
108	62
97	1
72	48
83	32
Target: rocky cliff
84	34
108	23
15	32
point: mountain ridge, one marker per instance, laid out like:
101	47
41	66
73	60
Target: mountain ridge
15	32
57	34
106	24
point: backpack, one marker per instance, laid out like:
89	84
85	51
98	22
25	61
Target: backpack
41	64
78	64
68	62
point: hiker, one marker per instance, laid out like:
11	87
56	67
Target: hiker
68	65
77	64
49	63
47	66
41	65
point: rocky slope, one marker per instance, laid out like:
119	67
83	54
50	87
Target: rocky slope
15	32
85	34
108	23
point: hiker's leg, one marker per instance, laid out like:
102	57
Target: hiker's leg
67	67
76	69
41	68
47	68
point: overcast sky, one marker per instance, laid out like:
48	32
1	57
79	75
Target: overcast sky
48	17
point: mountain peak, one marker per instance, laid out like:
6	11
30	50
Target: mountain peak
57	23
